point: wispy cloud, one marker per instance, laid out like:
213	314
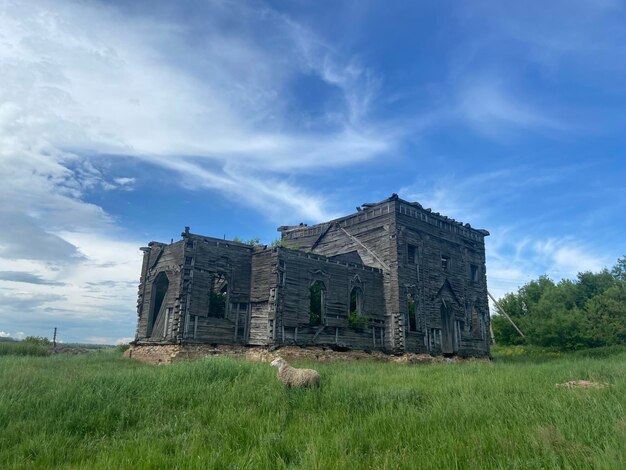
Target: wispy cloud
120	91
565	257
85	82
516	257
494	112
470	197
27	278
533	67
519	248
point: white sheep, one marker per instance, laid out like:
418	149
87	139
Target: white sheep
293	377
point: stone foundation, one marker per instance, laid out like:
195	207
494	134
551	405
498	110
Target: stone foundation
168	353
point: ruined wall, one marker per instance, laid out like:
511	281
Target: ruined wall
421	277
442	267
381	234
297	271
161	264
371	234
207	259
263	297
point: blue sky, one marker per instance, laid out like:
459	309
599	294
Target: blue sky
120	124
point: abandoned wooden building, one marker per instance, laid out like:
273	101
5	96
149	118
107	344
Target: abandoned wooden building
392	276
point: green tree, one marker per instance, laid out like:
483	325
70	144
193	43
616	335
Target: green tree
619	270
37	340
607	316
585	312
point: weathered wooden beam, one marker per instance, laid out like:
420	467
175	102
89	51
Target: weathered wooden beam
358	242
317	333
505	314
322	235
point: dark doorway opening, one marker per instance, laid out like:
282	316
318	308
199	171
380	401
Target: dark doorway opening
159	292
447	329
218	296
316	306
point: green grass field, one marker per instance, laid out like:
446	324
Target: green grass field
103	411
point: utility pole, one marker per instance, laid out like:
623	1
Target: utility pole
54	340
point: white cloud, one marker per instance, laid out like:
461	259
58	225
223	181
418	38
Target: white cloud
493	111
4	334
123	340
566	257
98	340
519	248
90	79
515	256
125	184
83	80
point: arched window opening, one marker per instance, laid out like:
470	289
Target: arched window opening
159	292
356	300
355	318
317	303
218	296
411	309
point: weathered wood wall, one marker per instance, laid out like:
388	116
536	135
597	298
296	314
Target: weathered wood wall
297	271
263	297
204	259
432	286
371	233
381	234
391	250
159	258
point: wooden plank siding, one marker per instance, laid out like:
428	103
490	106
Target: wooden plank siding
205	259
159	259
393	251
381	234
299	271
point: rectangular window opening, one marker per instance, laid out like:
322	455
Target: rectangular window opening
473	273
411	254
218	296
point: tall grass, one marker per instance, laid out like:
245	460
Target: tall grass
23	348
104	411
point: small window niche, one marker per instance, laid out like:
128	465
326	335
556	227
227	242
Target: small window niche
473	273
445	263
411	252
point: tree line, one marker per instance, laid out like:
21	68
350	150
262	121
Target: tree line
587	312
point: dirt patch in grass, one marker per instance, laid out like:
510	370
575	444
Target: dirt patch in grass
582	384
